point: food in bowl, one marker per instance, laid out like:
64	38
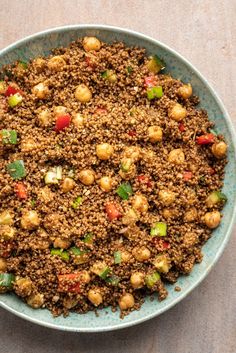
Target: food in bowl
110	177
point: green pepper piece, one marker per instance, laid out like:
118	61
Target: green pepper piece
129	69
63	254
154	92
104	74
14	100
152	279
77	202
117	257
104	273
7	280
76	251
159	229
9	136
88	239
16	169
113	280
156	64
125	190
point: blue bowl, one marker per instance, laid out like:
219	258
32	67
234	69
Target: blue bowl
41	44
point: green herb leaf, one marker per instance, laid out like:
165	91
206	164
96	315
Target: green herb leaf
129	69
124	191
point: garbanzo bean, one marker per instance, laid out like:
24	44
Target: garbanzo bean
105	183
176	156
30	220
212	219
41	90
140	203
137	280
86	176
61	243
141	254
177	112
46	195
44	117
104	151
68	184
7	232
83	93
56	63
39	64
91	43
6	218
35	300
219	149
190	215
130	217
59	110
125	256
155	134
126	301
167	197
23	286
95	296
78	120
185	91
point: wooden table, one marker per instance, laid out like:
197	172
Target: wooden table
205	33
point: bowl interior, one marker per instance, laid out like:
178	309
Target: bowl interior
41	44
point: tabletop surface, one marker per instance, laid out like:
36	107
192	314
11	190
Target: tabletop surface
203	31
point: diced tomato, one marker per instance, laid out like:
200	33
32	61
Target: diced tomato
187	176
70	282
6	248
160	244
205	139
143	179
11	90
101	110
211	171
150	81
181	127
112	211
21	191
62	122
132	133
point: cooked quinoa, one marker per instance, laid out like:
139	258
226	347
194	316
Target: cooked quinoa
110	178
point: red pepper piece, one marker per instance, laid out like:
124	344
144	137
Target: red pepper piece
205	139
101	110
181	127
70	282
21	191
150	81
62	122
112	211
6	248
11	90
143	179
160	244
132	133
187	176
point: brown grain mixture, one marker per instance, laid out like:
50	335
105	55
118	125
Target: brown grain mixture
90	119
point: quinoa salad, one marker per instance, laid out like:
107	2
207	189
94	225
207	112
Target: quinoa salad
110	178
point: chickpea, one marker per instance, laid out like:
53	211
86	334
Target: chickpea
68	184
212	219
91	43
59	110
98	267
167	197
23	286
126	301
46	195
7	232
78	120
162	263
155	134
141	254
137	280
39	64
177	112
130	217
169	213
176	156
30	220
140	203
86	176
28	145
83	93
41	90
6	218
190	215
219	149
105	183
189	239
133	153
61	243
85	276
69	302
95	296
44	117
35	300
125	256
111	76
56	63
3	265
104	151
185	91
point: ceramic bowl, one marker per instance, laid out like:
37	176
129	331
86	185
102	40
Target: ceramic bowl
41	44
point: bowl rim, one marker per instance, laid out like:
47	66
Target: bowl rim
229	123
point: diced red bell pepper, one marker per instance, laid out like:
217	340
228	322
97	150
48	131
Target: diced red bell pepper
10	91
70	282
187	176
181	127
62	122
21	191
150	81
143	179
132	133
160	244
6	248
112	211
101	110
205	139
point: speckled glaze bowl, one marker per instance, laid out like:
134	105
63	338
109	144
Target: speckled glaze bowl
41	44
